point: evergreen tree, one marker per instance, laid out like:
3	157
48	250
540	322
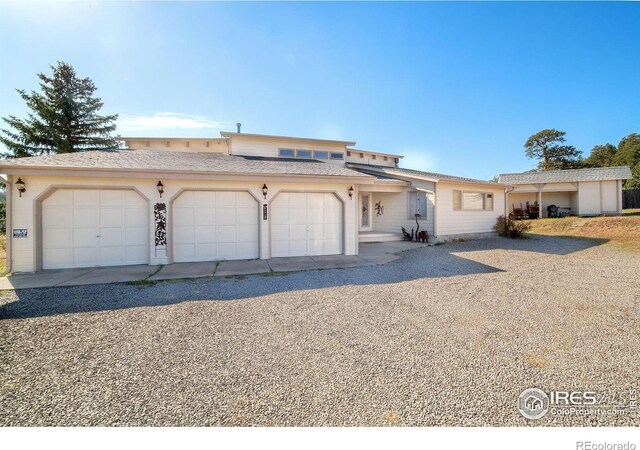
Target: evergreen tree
546	146
63	118
601	156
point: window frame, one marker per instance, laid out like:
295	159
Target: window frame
298	150
340	158
315	154
485	196
292	150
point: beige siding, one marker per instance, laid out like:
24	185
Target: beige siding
396	213
589	198
24	208
609	194
179	145
451	223
367	158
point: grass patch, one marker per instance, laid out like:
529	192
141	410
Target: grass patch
620	231
3	253
142	283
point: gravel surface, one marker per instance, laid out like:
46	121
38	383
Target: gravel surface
449	335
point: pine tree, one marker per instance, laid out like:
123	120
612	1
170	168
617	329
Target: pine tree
546	146
64	118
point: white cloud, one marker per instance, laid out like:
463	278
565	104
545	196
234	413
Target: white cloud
169	121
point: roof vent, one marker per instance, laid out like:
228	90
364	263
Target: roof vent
238	125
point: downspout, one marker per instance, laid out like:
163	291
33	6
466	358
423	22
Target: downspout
7	210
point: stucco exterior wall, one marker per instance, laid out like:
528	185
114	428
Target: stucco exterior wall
25	216
451	223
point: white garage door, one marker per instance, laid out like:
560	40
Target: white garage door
215	225
91	227
306	224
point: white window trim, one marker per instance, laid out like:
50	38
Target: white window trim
484	200
298	150
286	156
320	151
336	153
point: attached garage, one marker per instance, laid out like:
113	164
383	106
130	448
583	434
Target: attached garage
215	226
94	227
306	224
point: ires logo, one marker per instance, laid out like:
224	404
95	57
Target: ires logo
534	403
572	398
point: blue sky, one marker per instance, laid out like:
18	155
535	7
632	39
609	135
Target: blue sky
456	87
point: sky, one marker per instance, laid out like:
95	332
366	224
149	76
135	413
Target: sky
455	87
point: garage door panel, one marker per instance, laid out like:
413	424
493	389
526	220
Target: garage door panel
247	233
227	233
111	217
314	224
85	256
85	217
135	236
205	214
93	227
226	215
57	238
111	237
85	197
227	199
57	216
222	221
111	198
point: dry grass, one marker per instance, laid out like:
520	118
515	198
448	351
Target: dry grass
620	231
3	253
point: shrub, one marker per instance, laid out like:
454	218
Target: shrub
511	228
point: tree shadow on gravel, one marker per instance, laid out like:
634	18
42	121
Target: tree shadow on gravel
422	263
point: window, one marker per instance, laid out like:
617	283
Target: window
348	153
337	155
321	155
287	152
361	155
304	153
373	156
386	158
472	201
418	205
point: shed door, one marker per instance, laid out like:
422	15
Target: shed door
306	224
94	227
214	226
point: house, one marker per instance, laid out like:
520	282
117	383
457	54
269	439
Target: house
238	196
582	192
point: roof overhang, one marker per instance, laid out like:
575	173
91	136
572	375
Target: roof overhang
359	150
229	134
107	172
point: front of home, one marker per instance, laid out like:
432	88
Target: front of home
240	196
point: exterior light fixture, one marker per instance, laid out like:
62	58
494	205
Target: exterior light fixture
351	192
265	189
160	187
20	186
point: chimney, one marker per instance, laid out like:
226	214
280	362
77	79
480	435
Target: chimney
238	125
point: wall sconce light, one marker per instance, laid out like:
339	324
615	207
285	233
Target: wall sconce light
265	189
351	193
160	187
20	186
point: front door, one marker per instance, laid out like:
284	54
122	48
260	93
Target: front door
365	212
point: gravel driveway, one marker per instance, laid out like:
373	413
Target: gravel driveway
449	335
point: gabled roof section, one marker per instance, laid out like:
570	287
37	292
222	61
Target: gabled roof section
568	176
229	134
180	162
416	174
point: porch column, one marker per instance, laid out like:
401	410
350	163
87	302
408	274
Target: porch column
539	201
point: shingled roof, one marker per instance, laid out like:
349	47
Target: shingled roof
188	162
411	173
567	176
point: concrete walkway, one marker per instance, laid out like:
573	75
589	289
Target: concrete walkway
369	254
